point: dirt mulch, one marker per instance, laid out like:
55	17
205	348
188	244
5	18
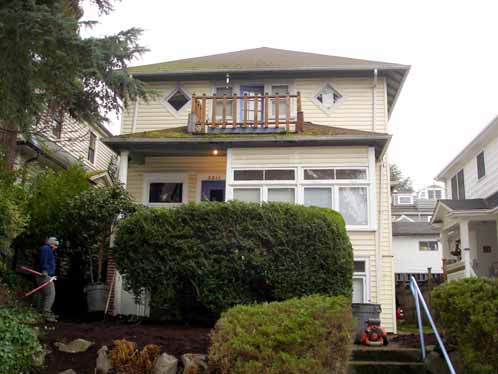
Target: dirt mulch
412	340
173	339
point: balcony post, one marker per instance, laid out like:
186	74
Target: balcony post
300	115
465	247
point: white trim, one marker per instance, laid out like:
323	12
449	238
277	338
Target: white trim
365	276
299	183
320	105
169	107
164	178
228	175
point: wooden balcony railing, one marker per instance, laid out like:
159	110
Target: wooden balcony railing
280	113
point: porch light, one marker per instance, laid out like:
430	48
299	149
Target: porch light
215	152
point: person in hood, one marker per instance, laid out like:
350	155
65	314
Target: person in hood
46	266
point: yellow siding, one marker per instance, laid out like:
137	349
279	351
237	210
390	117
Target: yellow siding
191	166
154	115
354	110
334	156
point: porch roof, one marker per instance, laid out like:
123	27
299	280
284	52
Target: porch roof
178	141
466	206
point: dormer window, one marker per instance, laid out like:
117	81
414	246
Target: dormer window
405	200
434	194
327	97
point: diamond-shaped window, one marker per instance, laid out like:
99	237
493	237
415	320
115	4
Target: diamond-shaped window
327	97
178	99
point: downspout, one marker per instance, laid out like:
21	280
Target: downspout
374	97
378	257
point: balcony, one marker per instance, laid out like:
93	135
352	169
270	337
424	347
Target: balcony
246	114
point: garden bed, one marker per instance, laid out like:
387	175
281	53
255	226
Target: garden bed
173	339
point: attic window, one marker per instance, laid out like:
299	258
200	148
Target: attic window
178	99
327	97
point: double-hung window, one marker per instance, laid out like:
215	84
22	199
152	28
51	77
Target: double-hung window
458	186
224	93
281	91
343	189
481	166
360	287
164	189
92	145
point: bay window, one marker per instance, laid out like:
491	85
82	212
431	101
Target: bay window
345	190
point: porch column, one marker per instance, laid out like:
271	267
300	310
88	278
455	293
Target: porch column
123	167
445	247
465	247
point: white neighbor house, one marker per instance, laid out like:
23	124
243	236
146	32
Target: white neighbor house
415	242
468	221
271	125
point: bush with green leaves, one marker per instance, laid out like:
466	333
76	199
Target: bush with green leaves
213	256
309	335
90	221
13	215
468	313
19	342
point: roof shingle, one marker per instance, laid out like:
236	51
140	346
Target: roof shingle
413	228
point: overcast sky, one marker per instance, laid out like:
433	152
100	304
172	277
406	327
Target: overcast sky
450	93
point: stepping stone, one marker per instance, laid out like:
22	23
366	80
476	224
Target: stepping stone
76	346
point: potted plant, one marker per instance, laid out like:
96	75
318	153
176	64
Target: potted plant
94	214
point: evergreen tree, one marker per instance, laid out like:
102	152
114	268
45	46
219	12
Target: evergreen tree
399	183
47	66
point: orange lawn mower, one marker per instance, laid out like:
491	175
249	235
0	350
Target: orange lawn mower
374	334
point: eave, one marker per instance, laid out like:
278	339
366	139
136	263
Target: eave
205	144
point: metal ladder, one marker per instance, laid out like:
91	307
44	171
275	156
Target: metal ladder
419	300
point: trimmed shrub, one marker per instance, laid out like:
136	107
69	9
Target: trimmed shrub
306	335
19	342
216	255
468	312
127	359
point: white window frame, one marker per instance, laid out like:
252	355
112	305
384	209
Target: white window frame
299	184
365	277
428	241
398	200
320	105
168	96
94	161
260	188
164	178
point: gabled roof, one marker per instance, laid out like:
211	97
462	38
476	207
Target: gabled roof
179	141
413	228
488	133
272	60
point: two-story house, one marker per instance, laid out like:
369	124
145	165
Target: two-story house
59	141
468	220
271	125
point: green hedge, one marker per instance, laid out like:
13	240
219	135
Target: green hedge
217	255
468	312
306	335
18	341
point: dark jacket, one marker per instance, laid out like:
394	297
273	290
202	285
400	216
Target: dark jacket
46	260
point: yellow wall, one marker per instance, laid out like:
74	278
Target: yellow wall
354	110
